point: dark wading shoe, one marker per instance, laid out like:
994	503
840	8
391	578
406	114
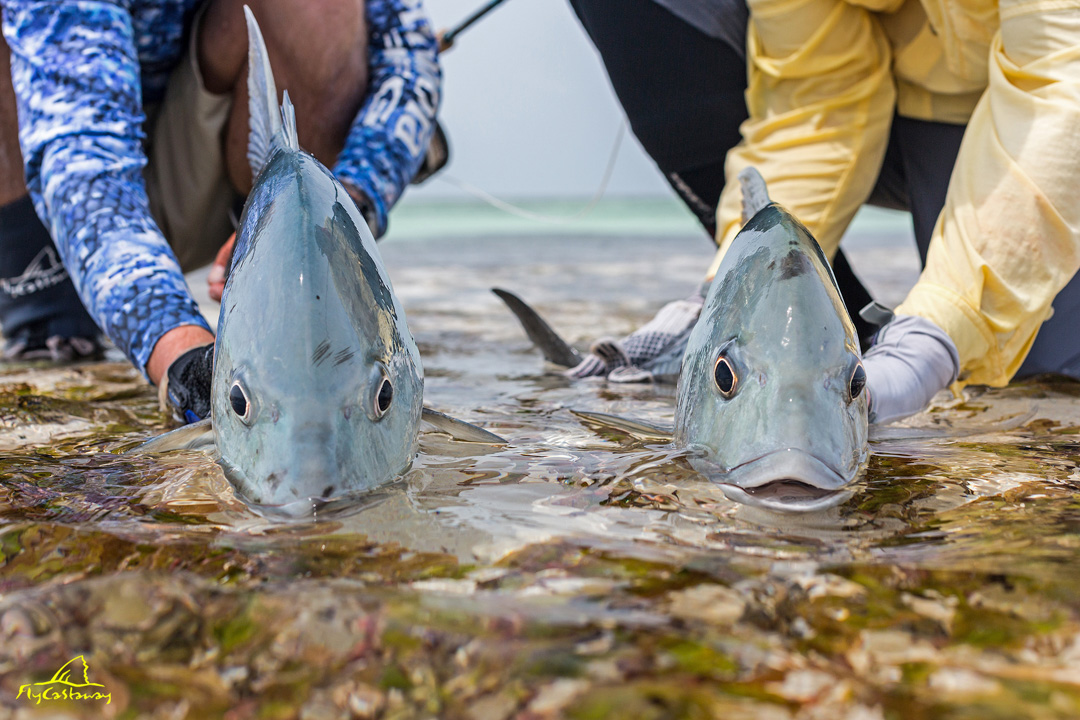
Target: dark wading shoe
771	402
317	385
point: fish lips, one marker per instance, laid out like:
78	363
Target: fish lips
316	509
788	480
306	507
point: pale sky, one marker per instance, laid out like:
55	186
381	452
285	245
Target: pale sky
528	107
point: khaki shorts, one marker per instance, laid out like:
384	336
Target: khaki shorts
190	193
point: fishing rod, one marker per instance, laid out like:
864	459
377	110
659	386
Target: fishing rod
446	39
438	153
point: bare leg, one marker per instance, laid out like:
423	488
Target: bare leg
12	179
318	50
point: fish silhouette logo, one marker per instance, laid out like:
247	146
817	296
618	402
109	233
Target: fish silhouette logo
71	682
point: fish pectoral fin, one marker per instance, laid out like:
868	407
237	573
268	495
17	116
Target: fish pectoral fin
636	428
197	436
459	429
886	432
554	348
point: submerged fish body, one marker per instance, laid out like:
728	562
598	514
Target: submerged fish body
771	403
318	385
770	398
317	390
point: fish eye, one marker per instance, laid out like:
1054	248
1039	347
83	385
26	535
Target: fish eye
238	399
725	376
379	393
858	381
384	397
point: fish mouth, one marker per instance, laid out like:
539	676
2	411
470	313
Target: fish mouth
305	508
786	481
313	509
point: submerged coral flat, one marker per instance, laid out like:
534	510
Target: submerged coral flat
570	574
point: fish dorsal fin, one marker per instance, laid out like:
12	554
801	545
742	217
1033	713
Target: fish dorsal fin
635	428
459	429
288	119
269	127
755	195
197	436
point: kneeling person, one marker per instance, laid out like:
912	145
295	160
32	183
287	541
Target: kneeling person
132	125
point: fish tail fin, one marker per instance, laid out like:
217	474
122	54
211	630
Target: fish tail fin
270	127
755	195
554	348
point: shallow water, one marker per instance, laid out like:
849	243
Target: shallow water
576	573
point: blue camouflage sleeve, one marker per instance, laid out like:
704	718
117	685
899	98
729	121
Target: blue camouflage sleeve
76	75
389	137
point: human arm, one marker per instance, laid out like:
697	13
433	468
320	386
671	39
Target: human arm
76	76
1008	239
820	98
388	139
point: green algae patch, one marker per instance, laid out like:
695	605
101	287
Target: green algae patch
701	660
657	701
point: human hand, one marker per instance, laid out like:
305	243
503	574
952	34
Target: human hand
216	278
365	206
436	158
629	359
444	43
911	360
185	389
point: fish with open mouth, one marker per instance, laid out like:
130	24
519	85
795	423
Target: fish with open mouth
317	384
771	391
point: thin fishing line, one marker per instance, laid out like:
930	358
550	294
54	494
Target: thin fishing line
521	212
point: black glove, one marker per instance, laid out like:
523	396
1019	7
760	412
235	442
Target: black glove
438	154
186	386
367	209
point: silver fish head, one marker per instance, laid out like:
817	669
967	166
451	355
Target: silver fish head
318	386
770	400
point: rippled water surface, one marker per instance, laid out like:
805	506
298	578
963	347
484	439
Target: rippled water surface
575	573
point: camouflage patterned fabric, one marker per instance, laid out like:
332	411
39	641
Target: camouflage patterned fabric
82	70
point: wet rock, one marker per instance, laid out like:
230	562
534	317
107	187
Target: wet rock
882	651
827	585
554	698
961	681
933	605
714	604
802	685
26	629
499	706
446	586
362	701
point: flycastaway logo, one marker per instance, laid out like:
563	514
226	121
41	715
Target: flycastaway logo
71	682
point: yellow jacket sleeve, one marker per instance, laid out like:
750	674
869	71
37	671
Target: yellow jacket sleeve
1008	239
821	101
